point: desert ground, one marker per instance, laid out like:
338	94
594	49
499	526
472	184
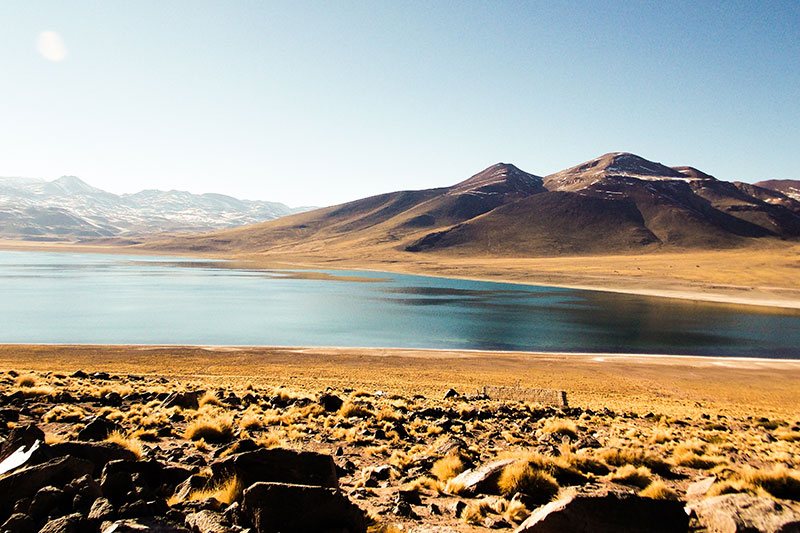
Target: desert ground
683	430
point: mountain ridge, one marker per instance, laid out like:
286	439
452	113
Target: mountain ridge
616	202
68	208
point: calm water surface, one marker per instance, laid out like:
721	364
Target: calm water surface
103	299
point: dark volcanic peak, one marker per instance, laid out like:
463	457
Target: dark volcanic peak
501	178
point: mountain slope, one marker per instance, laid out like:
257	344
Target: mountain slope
617	202
68	208
790	188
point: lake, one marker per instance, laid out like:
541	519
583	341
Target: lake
110	299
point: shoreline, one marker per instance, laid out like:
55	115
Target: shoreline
767	298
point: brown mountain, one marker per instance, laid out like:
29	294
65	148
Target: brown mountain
790	188
617	202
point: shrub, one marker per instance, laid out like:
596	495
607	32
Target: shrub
524	477
632	475
658	490
447	467
214	429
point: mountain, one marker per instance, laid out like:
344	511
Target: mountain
616	202
790	188
68	208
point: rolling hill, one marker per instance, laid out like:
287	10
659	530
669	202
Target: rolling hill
617	202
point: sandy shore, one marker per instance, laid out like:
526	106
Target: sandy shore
692	385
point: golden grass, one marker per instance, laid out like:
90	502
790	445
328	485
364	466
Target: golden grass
561	427
209	398
447	467
225	492
250	422
211	428
632	475
658	490
64	413
350	409
26	381
132	444
272	439
524	477
635	457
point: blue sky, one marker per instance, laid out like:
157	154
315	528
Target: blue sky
315	103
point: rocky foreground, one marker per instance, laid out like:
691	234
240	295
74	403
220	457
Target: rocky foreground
111	453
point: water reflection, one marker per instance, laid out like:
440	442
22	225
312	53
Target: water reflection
72	298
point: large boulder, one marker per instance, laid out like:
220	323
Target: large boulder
607	512
740	513
482	480
100	453
98	429
184	400
139	525
286	508
280	466
159	478
21	437
26	482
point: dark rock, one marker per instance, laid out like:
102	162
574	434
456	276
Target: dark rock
184	400
451	393
154	525
457	508
191	484
208	522
79	374
116	485
111	399
98	429
85	486
451	445
240	446
330	402
375	474
279	507
21	436
26	482
9	414
102	510
19	523
100	376
159	478
278	465
607	512
137	509
745	513
482	480
46	500
100	453
404	510
73	523
411	497
22	505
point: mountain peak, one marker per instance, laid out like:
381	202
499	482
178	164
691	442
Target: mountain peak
70	185
499	178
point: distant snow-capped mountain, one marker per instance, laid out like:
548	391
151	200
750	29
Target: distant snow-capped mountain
69	208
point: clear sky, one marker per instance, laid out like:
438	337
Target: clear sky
315	103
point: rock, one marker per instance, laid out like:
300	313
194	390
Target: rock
280	466
98	429
85	486
453	444
482	480
286	508
457	508
9	414
745	513
156	476
184	400
373	475
111	399
330	402
700	488
25	455
26	482
191	484
45	501
208	522
102	510
100	453
409	496
19	523
607	512
451	393
21	437
73	523
153	525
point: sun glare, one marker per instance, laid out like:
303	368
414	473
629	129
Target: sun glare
51	46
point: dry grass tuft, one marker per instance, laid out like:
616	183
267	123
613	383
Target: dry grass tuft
225	492
209	398
525	477
132	444
350	409
26	381
250	422
562	427
64	413
632	475
214	429
658	490
780	482
448	467
635	457
273	439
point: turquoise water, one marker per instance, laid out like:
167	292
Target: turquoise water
103	299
